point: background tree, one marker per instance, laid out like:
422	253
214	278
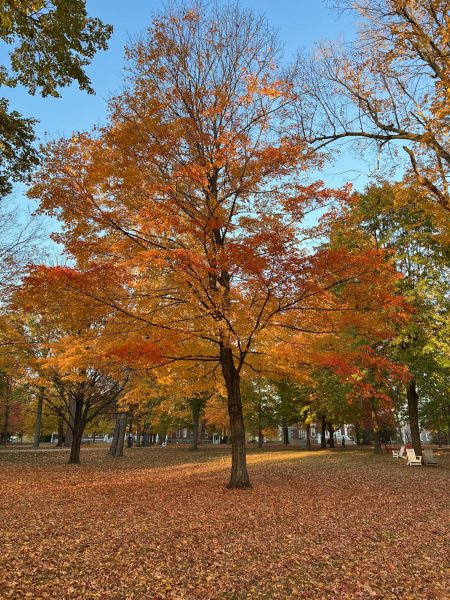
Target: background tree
51	41
388	88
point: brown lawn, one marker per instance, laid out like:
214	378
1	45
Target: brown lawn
159	524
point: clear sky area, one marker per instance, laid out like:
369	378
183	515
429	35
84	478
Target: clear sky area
300	23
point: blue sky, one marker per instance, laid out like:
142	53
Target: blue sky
300	24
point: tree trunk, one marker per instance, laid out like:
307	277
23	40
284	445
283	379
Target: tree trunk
413	414
239	475
368	436
60	432
260	437
260	422
69	432
116	448
196	408
38	423
308	436
77	430
376	430
121	436
138	433
77	436
323	441
331	434
357	438
285	435
6	414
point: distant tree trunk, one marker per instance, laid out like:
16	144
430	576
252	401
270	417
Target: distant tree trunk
413	414
376	430
145	434
121	437
38	423
260	437
239	475
331	434
59	443
308	436
8	394
357	438
285	435
116	448
196	409
260	419
323	441
138	433
115	438
368	436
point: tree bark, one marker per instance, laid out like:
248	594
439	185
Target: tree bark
285	435
75	448
77	430
308	436
138	433
239	476
323	441
60	432
357	438
368	436
331	434
121	437
413	414
117	444
196	409
38	423
8	393
376	431
260	420
69	432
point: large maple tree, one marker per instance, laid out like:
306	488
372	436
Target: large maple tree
187	213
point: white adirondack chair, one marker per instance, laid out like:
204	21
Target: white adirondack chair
412	459
399	453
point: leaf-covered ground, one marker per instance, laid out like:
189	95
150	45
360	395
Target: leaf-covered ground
159	524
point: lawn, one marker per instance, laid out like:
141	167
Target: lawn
159	524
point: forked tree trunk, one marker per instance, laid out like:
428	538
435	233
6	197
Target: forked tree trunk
413	414
59	443
331	434
308	436
239	475
38	423
323	441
